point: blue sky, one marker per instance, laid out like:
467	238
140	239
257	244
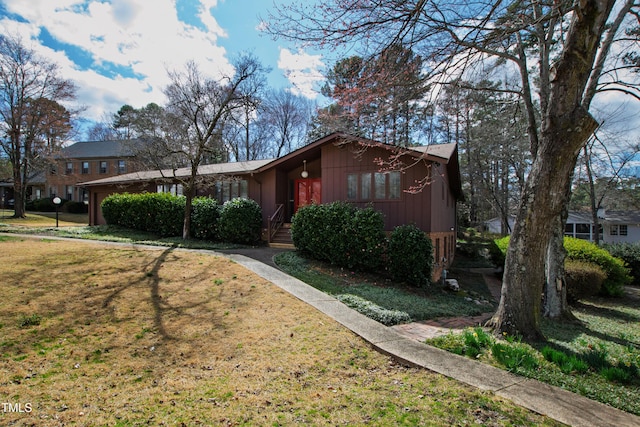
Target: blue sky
118	51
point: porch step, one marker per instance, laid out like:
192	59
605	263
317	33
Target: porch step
282	238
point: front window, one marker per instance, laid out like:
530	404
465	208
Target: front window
68	192
352	186
618	230
103	167
69	168
122	168
378	185
85	167
232	188
175	189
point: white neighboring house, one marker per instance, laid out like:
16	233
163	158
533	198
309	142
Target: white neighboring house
494	225
615	226
620	226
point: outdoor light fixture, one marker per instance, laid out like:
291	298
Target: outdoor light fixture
56	201
304	172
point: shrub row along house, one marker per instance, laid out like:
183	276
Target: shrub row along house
417	185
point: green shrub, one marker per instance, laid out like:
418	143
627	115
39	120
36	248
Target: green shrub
630	254
41	205
410	255
584	279
364	239
240	221
205	215
341	234
75	207
617	275
160	213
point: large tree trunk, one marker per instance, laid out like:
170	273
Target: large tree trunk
543	201
19	192
566	126
555	304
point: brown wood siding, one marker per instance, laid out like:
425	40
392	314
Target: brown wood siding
338	162
443	201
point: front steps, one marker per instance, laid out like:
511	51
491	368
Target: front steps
282	239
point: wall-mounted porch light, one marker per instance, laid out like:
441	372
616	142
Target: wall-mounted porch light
304	172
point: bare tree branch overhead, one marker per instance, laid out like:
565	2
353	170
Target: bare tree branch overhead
564	53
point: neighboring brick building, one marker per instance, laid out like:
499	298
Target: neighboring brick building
88	161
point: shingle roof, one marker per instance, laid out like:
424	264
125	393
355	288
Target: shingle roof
99	149
622	217
203	170
443	151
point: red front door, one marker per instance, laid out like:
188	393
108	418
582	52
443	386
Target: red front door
307	191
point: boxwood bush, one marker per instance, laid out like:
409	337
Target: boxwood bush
617	275
240	221
340	234
205	215
410	255
160	213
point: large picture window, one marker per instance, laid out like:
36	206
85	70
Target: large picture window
230	189
374	186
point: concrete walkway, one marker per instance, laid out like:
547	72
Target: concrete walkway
556	403
561	405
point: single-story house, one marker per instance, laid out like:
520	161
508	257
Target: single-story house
337	167
614	226
619	226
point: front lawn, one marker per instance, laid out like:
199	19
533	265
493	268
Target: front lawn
93	335
412	304
599	358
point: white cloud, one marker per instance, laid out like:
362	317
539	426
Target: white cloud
143	36
303	71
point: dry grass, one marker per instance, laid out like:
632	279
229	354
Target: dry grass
44	219
100	336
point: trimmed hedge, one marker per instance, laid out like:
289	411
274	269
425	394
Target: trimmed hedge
340	234
354	238
240	221
617	275
410	255
160	213
205	215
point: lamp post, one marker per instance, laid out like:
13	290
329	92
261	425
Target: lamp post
56	201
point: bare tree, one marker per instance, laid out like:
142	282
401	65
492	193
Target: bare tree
33	121
195	114
569	43
287	117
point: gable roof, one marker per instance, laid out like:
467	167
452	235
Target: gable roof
100	149
443	153
204	170
621	217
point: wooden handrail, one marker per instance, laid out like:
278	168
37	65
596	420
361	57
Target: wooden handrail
275	221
